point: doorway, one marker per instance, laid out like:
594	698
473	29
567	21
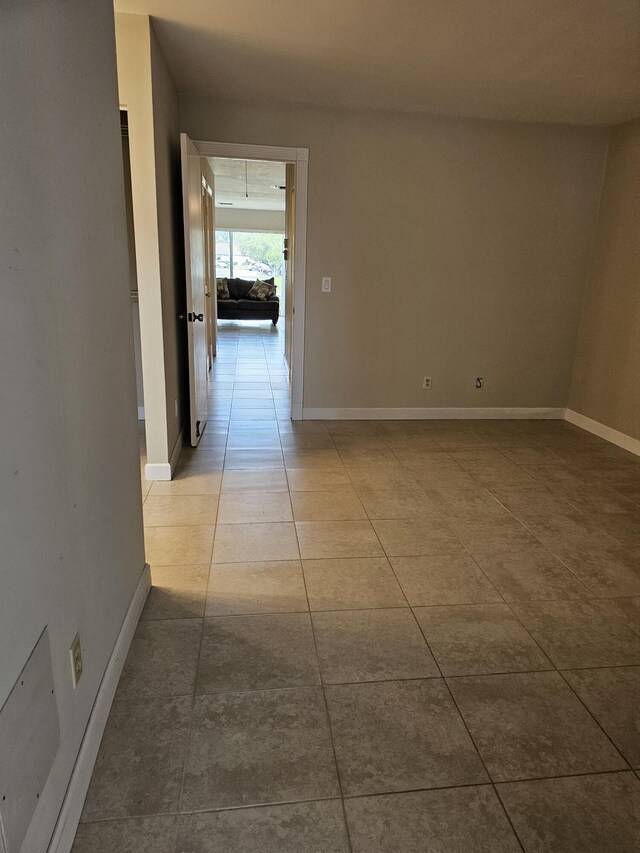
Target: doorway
254	250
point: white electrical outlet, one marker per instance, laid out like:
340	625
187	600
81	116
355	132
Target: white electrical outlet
479	382
426	383
326	284
75	653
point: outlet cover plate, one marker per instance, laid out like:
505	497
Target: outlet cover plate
75	652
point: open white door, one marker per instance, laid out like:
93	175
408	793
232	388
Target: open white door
193	199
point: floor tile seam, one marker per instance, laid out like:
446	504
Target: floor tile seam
187	746
348	797
435	660
326	705
195	681
560	672
483	762
453	700
466	550
311	685
568	502
508	603
499	593
547	548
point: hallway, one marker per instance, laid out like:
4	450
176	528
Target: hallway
378	636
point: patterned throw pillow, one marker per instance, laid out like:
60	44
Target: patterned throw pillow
223	288
261	290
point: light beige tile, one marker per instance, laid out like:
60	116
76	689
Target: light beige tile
413	537
317	479
315	827
422	460
254	481
383	479
201	459
189	482
241	403
257	652
326	506
531	574
244	588
162	659
467	504
319	539
475	639
177	592
307	441
351	584
244	416
178	510
450	579
252	459
239	543
371	645
367	457
313	458
397	503
142	835
180	546
249	507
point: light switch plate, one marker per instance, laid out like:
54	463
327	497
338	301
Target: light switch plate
326	284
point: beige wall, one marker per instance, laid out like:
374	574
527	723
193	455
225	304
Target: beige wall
606	378
148	93
457	249
70	515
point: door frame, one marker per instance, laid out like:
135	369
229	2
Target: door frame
300	158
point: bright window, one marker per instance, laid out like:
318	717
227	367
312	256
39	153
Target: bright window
251	255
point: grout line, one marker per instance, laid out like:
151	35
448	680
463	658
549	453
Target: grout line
374	794
241	359
326	707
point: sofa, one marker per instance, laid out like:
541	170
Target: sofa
239	307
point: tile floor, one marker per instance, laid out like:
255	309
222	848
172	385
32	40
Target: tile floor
378	637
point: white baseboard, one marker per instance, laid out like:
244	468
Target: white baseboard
163	471
140	413
621	439
296	412
432	414
157	471
69	817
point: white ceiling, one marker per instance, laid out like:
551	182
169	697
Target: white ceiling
575	61
248	184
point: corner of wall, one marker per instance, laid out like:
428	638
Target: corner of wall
594	232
